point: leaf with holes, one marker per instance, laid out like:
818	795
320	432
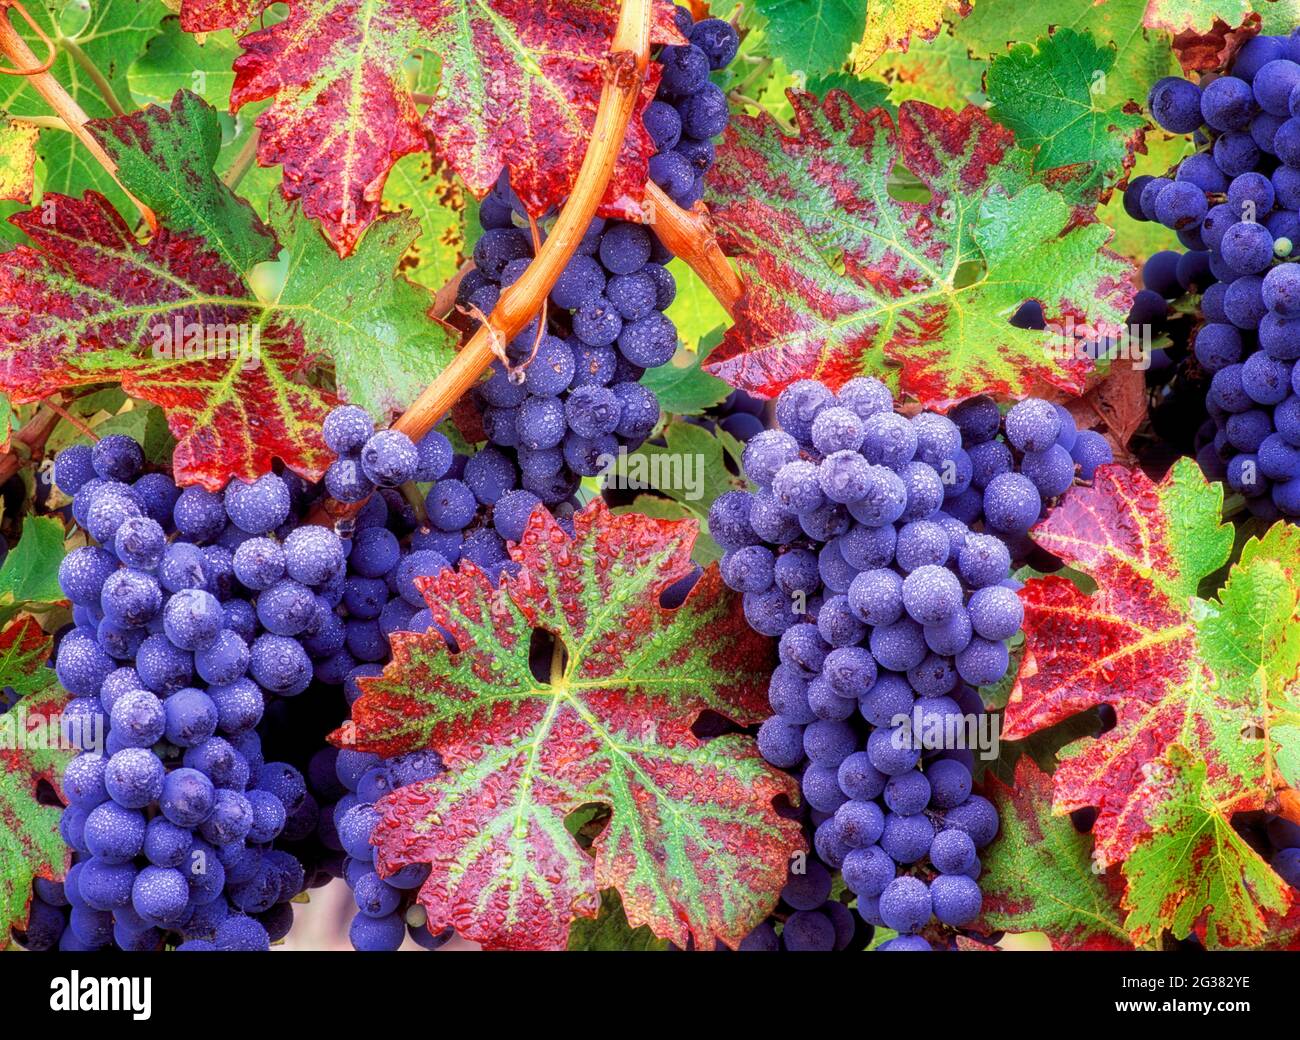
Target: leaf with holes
812	36
30	843
1056	97
1191	871
519	89
1039	874
892	26
693	844
17	160
843	279
1216	676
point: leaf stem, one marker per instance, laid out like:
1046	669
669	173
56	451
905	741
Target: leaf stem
690	235
243	161
40	122
32	438
15	48
96	77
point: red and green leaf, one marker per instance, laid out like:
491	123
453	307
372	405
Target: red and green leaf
1216	677
84	301
30	843
1039	874
1190	871
843	279
520	84
693	843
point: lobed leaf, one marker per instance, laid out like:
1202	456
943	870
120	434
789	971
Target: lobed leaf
693	844
844	279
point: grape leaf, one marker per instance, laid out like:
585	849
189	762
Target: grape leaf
891	26
386	349
116	308
1141	56
693	844
8	422
519	90
427	188
176	60
1056	97
30	843
29	576
17	160
812	36
939	72
690	467
113	33
609	931
1177	16
695	310
1190	871
1216	676
844	279
682	386
1039	875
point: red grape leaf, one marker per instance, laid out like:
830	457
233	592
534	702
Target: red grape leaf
843	279
31	845
520	84
1216	676
693	844
1039	875
1190	872
84	302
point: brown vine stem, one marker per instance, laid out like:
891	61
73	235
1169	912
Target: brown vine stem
624	75
32	437
625	69
445	298
65	106
689	234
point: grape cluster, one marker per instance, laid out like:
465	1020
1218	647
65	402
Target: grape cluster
890	610
1236	204
173	812
386	908
570	398
689	109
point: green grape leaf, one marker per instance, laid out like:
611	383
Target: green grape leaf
29	577
812	36
683	387
1054	95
